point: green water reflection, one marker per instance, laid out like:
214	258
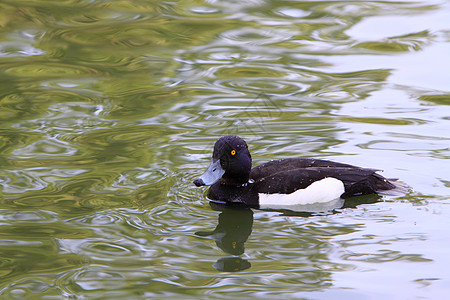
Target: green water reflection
109	110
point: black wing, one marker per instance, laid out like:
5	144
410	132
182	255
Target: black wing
288	164
289	175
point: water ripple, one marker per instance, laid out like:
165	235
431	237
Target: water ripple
48	70
110	109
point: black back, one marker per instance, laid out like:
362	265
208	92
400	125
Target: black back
288	175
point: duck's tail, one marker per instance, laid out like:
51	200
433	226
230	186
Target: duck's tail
399	188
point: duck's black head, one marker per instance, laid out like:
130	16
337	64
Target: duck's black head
231	163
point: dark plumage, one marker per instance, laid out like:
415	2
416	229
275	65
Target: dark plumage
234	181
290	174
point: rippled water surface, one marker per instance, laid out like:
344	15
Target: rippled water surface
109	110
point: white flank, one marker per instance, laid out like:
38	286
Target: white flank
322	191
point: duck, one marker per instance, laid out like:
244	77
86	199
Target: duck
285	183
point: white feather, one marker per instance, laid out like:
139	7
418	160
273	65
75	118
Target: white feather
322	191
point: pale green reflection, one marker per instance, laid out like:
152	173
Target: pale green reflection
109	109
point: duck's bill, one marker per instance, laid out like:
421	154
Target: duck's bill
212	175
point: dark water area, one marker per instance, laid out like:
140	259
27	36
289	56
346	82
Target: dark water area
110	109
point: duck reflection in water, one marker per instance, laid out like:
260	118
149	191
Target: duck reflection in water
230	235
235	226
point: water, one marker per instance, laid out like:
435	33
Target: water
109	110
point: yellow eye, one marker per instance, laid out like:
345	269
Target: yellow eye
233	152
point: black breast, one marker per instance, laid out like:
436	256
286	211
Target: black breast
244	194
